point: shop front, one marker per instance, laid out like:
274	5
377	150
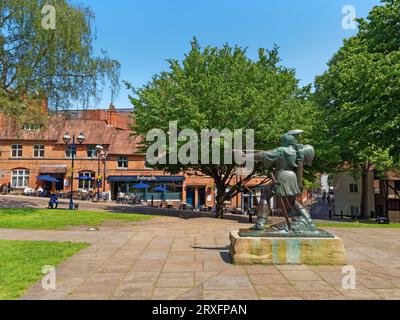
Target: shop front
148	187
58	172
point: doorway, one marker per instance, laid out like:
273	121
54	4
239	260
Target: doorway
190	194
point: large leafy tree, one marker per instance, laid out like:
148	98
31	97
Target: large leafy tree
40	57
359	95
217	88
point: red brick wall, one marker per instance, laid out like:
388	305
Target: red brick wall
55	155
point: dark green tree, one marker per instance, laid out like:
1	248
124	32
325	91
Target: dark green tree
217	88
359	96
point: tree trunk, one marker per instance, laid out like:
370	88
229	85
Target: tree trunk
220	201
364	194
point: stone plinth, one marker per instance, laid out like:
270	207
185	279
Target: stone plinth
311	251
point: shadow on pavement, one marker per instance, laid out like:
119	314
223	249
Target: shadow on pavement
183	214
11	203
24	202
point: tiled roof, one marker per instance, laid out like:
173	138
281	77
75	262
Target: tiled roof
9	130
92	123
123	143
95	132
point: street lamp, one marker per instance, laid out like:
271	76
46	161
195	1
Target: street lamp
100	154
67	140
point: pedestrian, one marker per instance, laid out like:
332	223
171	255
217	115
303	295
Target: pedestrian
53	203
324	197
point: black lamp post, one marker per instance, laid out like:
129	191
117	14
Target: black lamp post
67	140
105	154
100	152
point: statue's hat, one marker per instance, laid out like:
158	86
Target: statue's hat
295	132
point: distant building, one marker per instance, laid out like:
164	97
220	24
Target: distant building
30	150
383	195
387	196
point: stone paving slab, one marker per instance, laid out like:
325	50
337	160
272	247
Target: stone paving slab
173	258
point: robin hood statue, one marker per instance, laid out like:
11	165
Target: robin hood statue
286	166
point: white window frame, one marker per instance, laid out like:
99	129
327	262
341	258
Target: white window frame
123	162
16	149
32	127
39	149
20	178
93	151
68	149
86	184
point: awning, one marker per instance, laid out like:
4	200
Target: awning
146	179
85	178
53	169
47	179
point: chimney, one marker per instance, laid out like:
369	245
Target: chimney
45	105
43	101
112	116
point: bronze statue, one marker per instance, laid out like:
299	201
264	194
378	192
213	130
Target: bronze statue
286	163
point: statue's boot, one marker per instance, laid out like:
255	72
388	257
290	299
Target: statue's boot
262	214
261	224
304	216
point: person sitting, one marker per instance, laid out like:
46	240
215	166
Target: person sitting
53	203
27	191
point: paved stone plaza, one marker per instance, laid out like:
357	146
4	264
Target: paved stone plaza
175	258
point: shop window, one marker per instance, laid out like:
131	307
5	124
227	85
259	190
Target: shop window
38	151
20	178
122	162
86	184
16	151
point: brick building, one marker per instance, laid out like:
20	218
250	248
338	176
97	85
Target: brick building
28	151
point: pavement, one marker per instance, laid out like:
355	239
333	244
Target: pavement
170	258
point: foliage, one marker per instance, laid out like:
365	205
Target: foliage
358	98
359	93
58	64
218	88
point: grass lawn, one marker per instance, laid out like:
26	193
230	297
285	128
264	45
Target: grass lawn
21	263
45	219
357	225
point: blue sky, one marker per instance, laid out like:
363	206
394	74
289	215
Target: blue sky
142	34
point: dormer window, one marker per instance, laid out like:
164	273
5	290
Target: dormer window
32	127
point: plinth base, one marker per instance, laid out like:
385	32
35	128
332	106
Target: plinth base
309	251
